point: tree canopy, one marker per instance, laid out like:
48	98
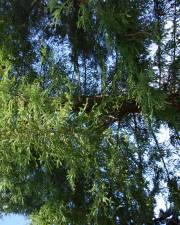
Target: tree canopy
86	88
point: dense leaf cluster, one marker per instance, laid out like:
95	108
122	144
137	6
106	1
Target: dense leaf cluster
86	87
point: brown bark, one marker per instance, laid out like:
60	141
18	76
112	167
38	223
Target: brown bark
112	112
126	106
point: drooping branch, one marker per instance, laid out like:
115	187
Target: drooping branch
111	111
117	110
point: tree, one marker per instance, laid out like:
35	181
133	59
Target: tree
82	100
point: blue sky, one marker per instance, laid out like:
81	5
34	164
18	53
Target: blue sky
14	220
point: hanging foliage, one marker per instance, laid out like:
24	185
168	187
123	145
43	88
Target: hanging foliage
86	88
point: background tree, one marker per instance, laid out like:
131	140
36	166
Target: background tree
85	88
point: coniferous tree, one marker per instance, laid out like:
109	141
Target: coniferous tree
86	87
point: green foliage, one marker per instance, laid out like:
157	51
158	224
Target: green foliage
148	98
80	112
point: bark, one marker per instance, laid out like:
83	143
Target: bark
112	112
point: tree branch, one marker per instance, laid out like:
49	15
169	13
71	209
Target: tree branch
116	112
